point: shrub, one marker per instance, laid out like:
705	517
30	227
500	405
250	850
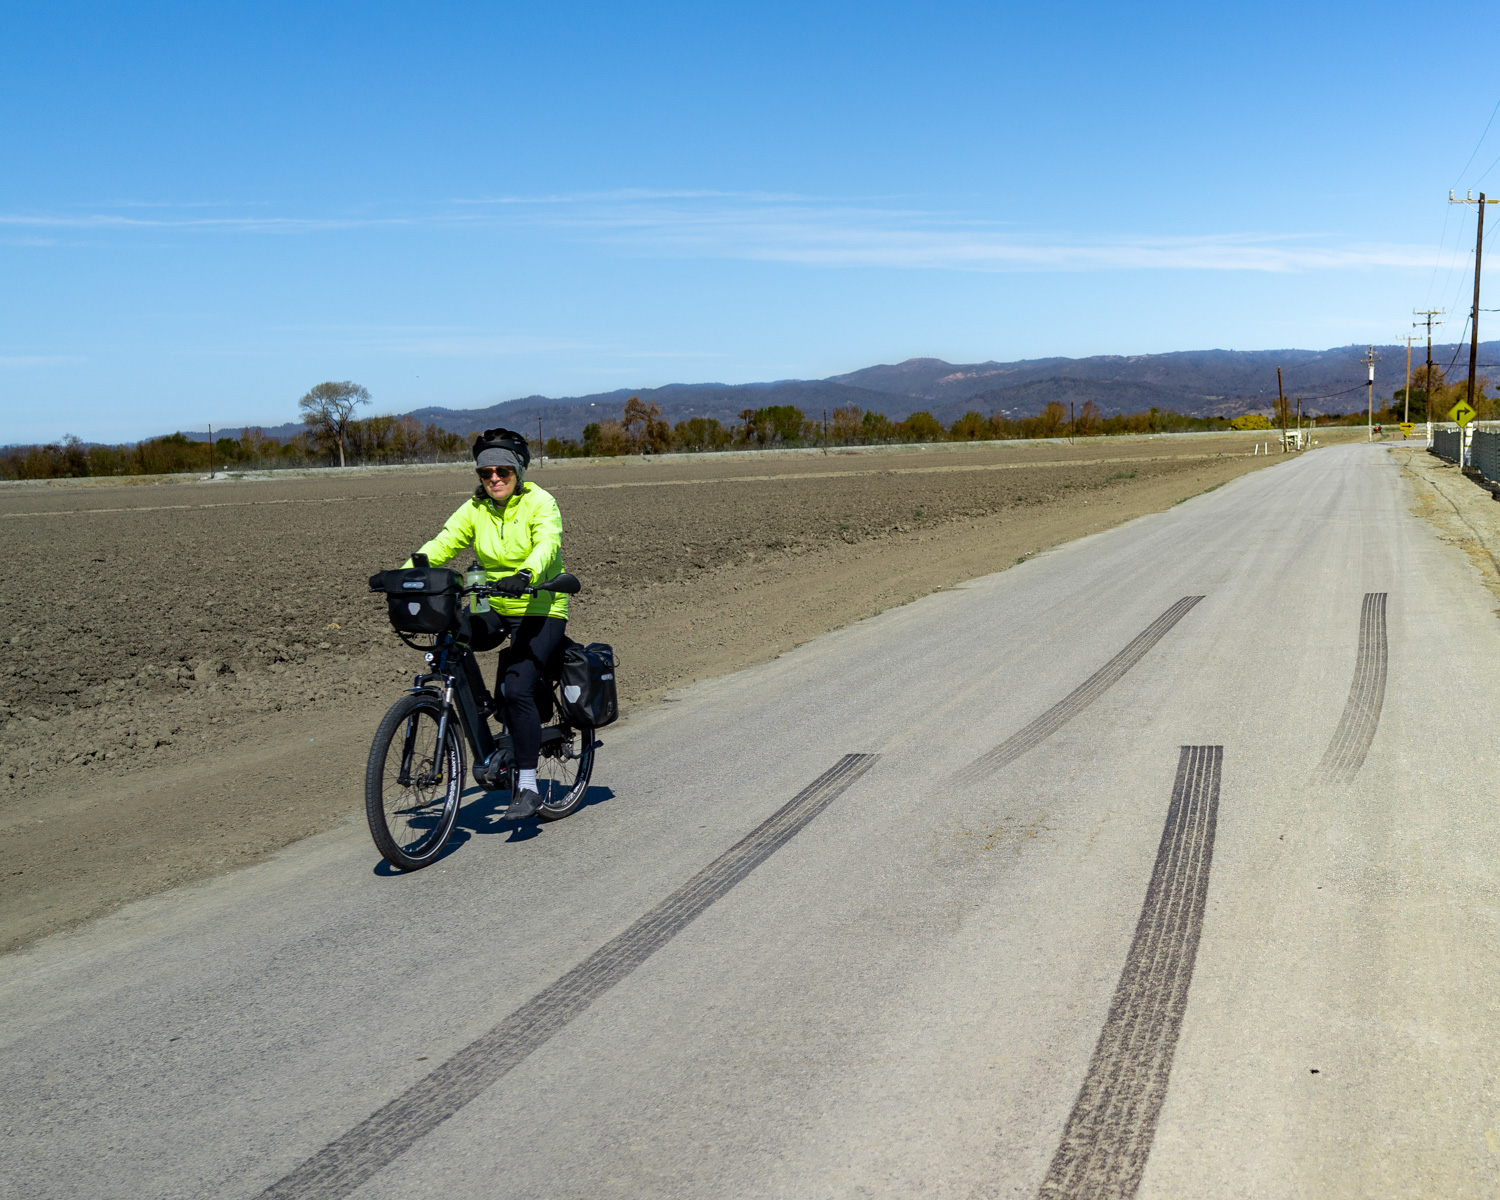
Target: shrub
876	427
921	426
701	433
845	429
971	427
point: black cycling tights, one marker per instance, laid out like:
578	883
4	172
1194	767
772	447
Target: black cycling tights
532	652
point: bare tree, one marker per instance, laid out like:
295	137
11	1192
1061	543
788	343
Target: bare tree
654	435
328	410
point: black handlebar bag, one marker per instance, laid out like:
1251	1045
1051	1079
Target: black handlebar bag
421	599
586	681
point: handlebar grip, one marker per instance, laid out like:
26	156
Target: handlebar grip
566	584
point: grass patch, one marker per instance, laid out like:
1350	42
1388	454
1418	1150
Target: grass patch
1120	475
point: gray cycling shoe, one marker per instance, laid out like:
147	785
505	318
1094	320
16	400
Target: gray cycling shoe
523	804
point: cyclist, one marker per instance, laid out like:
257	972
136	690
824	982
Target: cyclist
516	531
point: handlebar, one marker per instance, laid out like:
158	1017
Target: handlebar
565	584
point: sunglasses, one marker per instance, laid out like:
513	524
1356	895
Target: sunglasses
487	473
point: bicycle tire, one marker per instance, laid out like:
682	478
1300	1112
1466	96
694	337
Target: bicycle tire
562	786
411	816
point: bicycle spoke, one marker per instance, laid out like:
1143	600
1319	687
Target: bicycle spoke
416	784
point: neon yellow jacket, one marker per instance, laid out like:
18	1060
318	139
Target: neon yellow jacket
526	535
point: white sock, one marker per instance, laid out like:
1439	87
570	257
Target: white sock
527	781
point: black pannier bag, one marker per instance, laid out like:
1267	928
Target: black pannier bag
420	599
586	682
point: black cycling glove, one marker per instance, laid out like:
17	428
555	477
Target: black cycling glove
514	585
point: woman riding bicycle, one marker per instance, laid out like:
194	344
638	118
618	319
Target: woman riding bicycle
516	531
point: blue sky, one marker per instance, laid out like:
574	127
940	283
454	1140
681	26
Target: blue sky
206	209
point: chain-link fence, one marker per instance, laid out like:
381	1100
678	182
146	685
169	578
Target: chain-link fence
1447	443
1485	454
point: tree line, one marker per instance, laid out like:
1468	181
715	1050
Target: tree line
641	429
370	440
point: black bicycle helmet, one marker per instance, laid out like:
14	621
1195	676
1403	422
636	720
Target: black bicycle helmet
503	439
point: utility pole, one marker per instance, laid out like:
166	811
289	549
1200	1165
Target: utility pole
541	446
1427	314
1281	407
1478	262
1406	395
210	450
1370	360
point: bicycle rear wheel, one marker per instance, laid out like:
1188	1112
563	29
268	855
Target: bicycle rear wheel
413	785
562	774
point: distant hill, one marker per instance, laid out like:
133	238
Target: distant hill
1195	382
678	401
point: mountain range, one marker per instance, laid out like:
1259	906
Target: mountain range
1194	382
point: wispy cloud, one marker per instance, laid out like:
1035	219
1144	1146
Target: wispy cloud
434	341
232	224
440	342
16	362
780	227
841	234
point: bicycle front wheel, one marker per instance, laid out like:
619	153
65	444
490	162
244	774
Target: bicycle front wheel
414	785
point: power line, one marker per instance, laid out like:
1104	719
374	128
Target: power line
1437	262
1480	142
1331	395
1458	348
1443	234
1458	246
1487	170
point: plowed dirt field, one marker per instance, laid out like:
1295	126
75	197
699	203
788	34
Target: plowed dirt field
192	670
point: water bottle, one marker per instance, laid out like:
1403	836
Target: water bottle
473	577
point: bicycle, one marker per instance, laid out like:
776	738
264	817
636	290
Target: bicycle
415	777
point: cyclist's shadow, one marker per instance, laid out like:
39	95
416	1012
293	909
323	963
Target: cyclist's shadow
483	812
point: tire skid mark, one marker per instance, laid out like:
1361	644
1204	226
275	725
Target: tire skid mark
348	1161
1356	730
1077	700
1108	1136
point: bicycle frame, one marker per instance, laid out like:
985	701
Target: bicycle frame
457	673
459	685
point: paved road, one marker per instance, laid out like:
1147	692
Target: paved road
1062	883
